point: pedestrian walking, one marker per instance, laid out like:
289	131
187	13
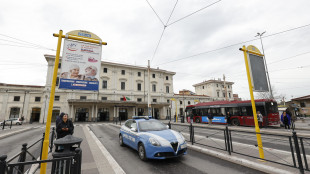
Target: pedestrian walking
210	118
65	127
286	120
228	115
260	119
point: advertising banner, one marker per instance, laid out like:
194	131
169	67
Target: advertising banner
80	66
216	119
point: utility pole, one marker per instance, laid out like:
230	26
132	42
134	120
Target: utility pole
225	87
261	41
148	92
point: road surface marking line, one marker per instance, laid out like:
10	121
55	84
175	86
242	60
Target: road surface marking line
114	165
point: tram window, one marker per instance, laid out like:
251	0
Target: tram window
261	109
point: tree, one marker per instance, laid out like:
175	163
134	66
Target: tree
267	95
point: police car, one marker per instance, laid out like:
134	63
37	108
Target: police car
151	138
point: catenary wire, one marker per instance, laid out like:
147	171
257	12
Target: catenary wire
236	44
194	12
155	12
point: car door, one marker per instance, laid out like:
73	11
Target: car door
126	132
133	135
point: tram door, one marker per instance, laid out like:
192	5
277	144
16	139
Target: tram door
81	114
103	114
123	114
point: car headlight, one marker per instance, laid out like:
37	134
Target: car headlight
154	142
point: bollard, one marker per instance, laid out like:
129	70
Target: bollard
3	124
228	140
78	161
22	157
52	139
169	124
3	167
11	124
300	165
42	146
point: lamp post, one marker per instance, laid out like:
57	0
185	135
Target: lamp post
261	41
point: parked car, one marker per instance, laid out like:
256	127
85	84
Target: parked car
152	139
16	121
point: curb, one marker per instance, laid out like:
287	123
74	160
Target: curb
10	133
239	161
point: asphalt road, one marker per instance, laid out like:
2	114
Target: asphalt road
192	163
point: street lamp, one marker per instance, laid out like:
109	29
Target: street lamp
261	41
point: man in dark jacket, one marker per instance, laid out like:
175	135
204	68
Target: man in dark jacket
59	118
65	127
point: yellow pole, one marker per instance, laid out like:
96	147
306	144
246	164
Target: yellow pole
258	137
80	38
50	107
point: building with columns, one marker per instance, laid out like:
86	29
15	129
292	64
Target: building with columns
117	82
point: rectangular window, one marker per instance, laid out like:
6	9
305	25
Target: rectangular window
16	98
104	98
123	72
229	95
57	97
154	88
168	101
105	70
122	85
83	97
217	85
302	104
104	84
139	86
167	77
154	100
222	86
153	75
218	94
37	99
228	86
224	94
167	89
203	87
180	102
139	74
59	65
139	99
189	102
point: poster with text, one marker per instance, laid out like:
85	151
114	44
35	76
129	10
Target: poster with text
80	66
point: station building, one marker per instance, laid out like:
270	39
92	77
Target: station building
122	93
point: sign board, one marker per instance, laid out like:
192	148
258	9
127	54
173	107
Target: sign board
257	71
80	65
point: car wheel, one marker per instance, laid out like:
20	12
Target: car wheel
121	143
235	122
197	120
141	151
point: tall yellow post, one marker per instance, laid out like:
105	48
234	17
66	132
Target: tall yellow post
50	107
258	136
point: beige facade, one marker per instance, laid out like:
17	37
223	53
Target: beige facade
215	89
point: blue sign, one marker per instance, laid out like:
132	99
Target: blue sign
216	119
79	84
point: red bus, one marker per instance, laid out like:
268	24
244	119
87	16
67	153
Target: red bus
241	112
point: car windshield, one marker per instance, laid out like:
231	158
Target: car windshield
151	125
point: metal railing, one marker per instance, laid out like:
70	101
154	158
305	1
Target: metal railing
22	156
226	139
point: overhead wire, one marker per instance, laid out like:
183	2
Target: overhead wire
194	12
236	44
26	43
162	33
155	12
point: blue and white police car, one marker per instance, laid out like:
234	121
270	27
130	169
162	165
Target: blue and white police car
151	138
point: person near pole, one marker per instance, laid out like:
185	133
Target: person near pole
210	118
228	115
65	127
286	120
260	119
59	118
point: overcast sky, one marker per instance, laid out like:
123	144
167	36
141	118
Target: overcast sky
197	47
